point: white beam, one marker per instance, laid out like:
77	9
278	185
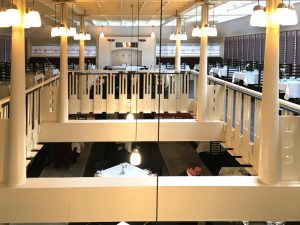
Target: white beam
222	198
122	130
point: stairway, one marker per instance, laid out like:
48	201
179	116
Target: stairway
215	148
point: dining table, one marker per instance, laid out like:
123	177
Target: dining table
291	88
124	170
219	71
248	77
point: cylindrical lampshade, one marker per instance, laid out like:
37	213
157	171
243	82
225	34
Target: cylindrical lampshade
183	36
130	116
172	36
206	30
13	16
258	17
135	157
27	21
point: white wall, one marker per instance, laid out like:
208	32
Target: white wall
106	48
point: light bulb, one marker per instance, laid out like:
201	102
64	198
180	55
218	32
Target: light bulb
76	37
152	34
135	157
130	116
102	35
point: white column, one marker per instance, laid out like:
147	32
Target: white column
81	45
178	44
270	159
63	82
16	155
202	78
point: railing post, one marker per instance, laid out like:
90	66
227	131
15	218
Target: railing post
63	83
270	157
202	77
16	156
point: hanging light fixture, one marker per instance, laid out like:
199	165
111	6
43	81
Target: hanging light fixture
71	31
196	31
152	33
285	14
102	33
32	18
54	30
12	15
3	16
135	157
130	116
258	16
213	28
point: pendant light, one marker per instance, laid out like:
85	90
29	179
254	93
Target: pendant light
135	157
258	16
71	31
32	18
62	29
130	115
152	33
213	28
54	30
3	16
102	33
196	31
285	14
13	15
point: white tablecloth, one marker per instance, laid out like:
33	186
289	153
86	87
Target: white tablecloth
221	72
128	171
291	88
249	77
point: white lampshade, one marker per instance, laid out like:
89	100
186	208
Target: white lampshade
130	116
27	21
81	36
183	36
213	31
62	30
76	37
54	32
102	34
3	19
34	18
135	157
196	31
87	36
258	17
172	36
206	30
293	15
13	16
71	32
152	34
282	14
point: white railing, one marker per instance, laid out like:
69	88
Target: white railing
34	102
242	108
112	91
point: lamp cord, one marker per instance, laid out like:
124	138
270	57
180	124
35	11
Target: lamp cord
136	75
196	15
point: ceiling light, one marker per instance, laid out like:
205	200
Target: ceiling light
172	36
130	116
258	16
87	36
32	19
135	157
62	30
71	32
3	19
206	30
213	31
13	15
293	15
152	33
102	33
196	31
285	15
54	32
